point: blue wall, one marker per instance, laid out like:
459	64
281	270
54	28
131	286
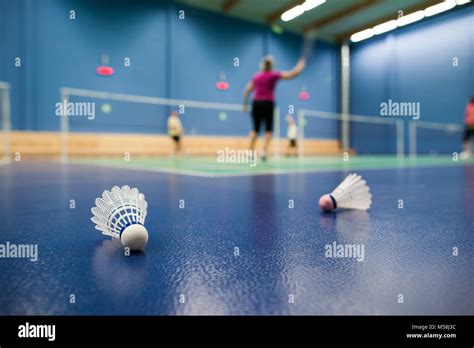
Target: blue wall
169	58
12	21
415	64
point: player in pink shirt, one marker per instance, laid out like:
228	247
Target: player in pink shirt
263	85
469	132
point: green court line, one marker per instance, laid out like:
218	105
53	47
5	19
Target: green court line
209	167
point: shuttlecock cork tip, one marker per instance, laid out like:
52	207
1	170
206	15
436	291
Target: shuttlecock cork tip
134	237
326	203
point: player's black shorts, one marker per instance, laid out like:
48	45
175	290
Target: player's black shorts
176	138
468	133
262	111
292	142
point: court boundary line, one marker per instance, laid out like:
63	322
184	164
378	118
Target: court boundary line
339	170
277	172
143	169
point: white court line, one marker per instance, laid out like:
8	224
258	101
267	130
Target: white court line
316	171
194	173
274	172
145	169
187	172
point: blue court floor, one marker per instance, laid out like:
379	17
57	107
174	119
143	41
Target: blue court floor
191	264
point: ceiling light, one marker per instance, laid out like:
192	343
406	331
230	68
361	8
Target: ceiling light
412	17
438	8
292	13
404	20
362	35
296	11
384	27
310	4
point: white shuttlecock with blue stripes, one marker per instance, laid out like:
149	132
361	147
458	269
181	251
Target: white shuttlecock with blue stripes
352	193
121	213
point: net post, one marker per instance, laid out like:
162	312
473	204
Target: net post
276	131
64	126
412	139
400	140
300	133
6	123
345	93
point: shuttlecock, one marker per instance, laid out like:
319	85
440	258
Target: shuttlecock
352	193
120	213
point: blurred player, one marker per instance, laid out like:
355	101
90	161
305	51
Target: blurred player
469	132
263	85
175	131
292	135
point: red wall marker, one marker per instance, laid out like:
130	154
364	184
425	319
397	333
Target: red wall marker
105	70
222	86
304	95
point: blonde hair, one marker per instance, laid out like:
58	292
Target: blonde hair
267	63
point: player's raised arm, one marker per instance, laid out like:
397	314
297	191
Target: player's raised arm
287	75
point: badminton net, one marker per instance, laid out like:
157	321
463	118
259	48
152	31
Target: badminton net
368	135
136	114
433	138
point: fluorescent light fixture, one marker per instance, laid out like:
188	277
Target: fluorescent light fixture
292	13
404	20
412	17
296	11
384	27
441	7
310	4
362	35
